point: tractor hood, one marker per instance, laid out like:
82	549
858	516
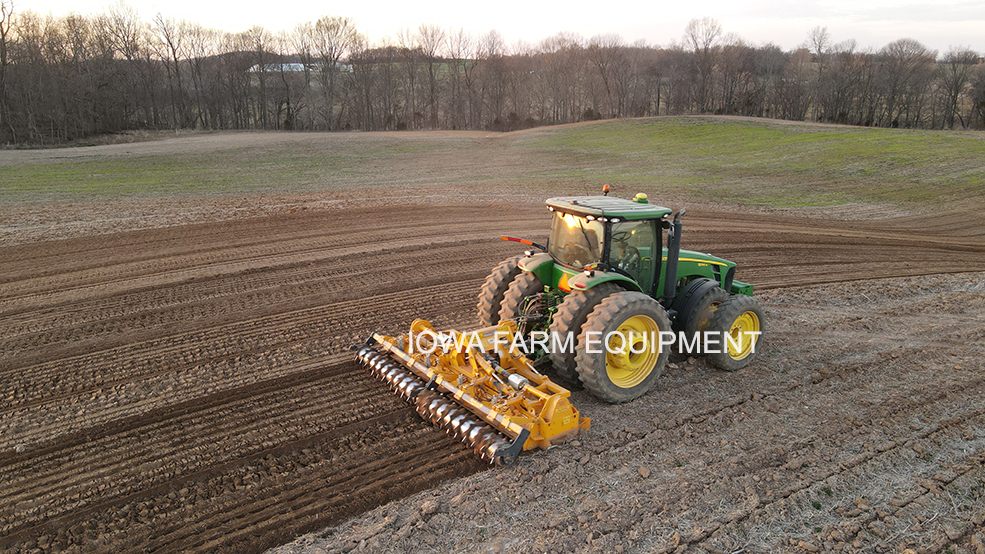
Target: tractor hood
701	259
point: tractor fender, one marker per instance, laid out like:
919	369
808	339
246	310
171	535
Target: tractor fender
688	298
585	281
540	264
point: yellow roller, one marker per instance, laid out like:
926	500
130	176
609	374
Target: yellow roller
478	386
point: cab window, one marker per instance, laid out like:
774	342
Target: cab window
575	241
632	249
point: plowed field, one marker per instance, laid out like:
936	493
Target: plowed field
190	388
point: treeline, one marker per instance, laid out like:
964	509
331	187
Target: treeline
63	78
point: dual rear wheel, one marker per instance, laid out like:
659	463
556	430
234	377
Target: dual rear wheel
619	352
608	338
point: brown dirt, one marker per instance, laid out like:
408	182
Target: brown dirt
189	388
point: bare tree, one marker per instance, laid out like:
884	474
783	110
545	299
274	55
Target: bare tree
432	39
818	43
203	45
519	67
795	95
701	36
768	64
976	110
906	74
257	41
493	77
71	76
471	73
954	74
734	68
460	46
364	85
333	39
410	49
170	44
604	52
6	20
561	81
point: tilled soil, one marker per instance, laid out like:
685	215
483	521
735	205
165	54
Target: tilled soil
861	430
190	388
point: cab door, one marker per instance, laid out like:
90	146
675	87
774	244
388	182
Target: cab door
634	249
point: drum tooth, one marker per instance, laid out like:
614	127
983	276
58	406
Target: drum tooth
398	378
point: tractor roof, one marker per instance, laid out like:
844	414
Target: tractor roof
607	206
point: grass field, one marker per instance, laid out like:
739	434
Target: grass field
777	164
735	160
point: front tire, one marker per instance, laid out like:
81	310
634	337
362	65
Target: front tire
741	318
696	305
626	357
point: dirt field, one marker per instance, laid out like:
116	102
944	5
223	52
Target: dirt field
189	388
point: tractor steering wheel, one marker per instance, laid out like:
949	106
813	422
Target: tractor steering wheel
630	260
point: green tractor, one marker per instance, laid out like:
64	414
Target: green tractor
612	308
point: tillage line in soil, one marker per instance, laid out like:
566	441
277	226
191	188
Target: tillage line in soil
141	300
400	415
966	388
910	406
857	526
176	369
177	248
155	320
200	432
93	283
887	272
843	467
970	535
414	468
184	238
773	464
113	330
135	251
197	289
261	333
198	404
243	233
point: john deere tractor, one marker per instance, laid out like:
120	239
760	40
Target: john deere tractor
606	285
603	295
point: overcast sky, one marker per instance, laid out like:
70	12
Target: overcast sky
872	23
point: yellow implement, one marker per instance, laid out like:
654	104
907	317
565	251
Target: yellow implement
478	386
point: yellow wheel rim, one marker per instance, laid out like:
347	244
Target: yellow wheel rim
630	354
740	345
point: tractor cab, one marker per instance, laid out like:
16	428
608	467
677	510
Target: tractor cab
612	234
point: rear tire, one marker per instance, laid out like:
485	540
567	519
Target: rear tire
569	318
526	284
737	316
494	289
625	357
